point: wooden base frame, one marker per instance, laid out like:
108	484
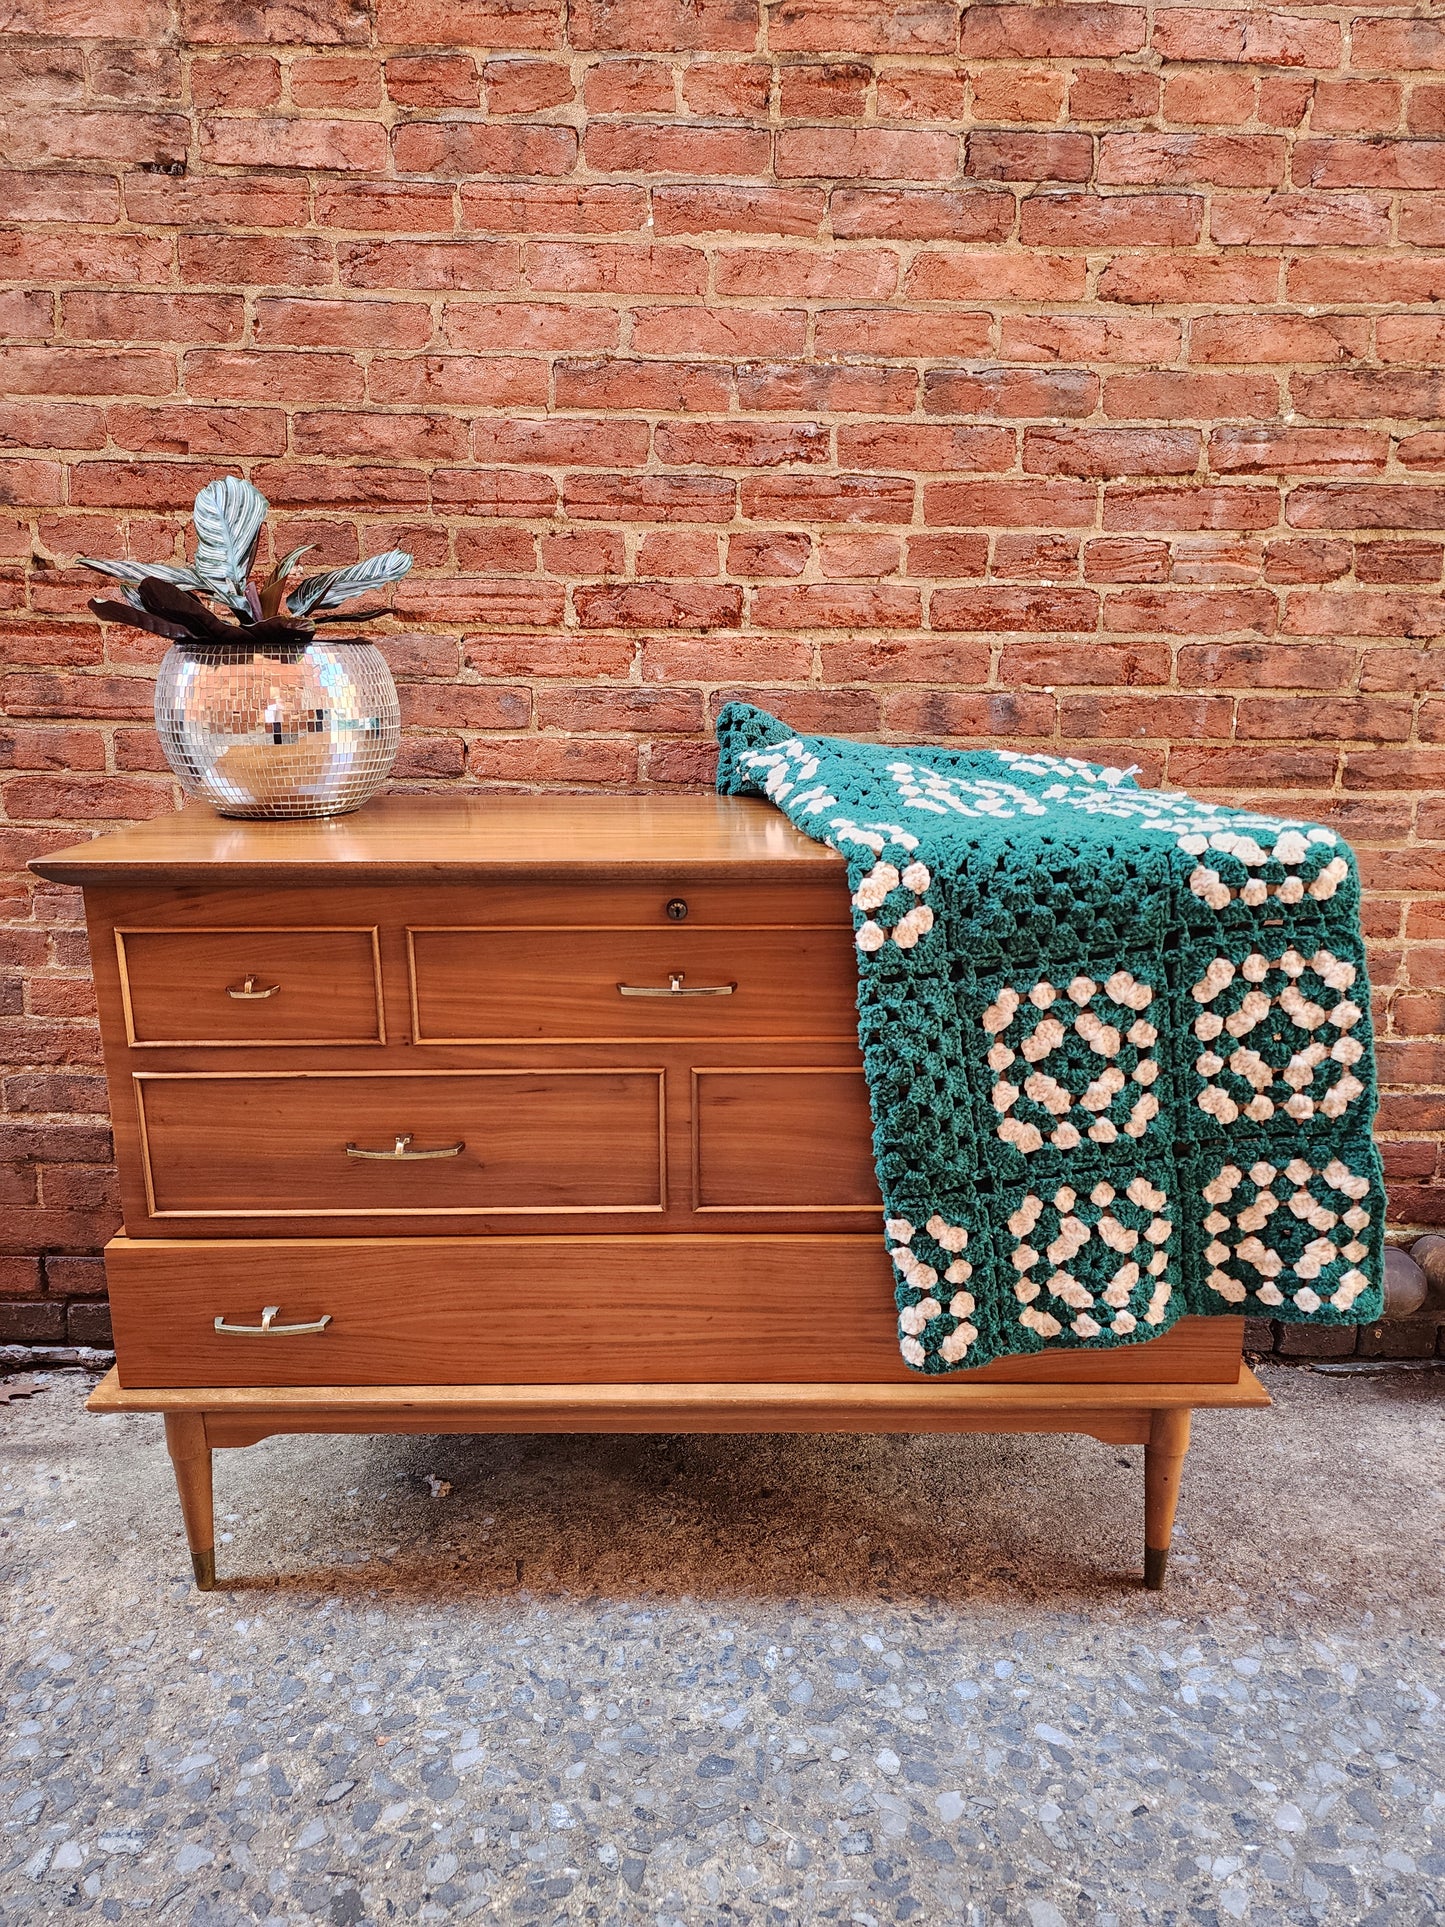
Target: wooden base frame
200	1420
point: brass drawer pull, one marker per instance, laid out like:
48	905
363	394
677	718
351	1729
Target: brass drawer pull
247	991
402	1154
268	1328
676	988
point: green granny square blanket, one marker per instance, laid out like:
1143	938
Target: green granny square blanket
1117	1044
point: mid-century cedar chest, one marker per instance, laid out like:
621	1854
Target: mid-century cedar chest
478	1114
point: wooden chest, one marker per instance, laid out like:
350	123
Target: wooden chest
517	1113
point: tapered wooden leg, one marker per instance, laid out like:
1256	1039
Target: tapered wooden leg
1163	1465
191	1457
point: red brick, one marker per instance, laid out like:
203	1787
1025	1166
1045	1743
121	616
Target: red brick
221	432
271	141
650	148
283	321
824	90
1331	278
735	444
739	210
487	266
1301	220
1340	506
1111	220
526	87
456	148
251	261
769	553
732	332
1101	452
1051	32
651	605
688	554
865	154
1413	46
1127	338
620	709
722	88
489	381
653	498
1113	95
1008	610
517	207
821	388
177	319
255	202
1272	665
1205	99
862	27
520	326
1399	561
1185	160
564	760
1030	157
99	134
1262	38
672	387
1388	164
831	606
927	659
583	268
1178	612
1015	94
238	81
901	332
856	273
1222	281
559	443
238	375
1168	395
859	552
466	23
433	80
940	275
836	498
936	448
1285	338
1010	392
921	214
1007	504
1356	106
664	26
1296	451
1134	505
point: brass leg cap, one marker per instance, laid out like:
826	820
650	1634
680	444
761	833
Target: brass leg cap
203	1565
1155	1562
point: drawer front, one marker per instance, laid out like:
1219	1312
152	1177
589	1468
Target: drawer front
503	1142
786	1140
251	987
449	1311
475	986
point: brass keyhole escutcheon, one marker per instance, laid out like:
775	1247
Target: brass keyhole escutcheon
676	909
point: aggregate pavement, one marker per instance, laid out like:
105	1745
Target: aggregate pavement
722	1682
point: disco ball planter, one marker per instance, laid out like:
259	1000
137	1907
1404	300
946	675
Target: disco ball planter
295	733
257	714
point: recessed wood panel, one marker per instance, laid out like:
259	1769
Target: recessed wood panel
255	987
276	1146
784	1139
592	1311
515	985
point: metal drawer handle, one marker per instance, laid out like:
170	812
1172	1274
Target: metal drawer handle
268	1328
676	988
405	1156
247	991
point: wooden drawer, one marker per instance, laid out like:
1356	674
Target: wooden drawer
783	1139
256	987
531	1142
596	985
518	1311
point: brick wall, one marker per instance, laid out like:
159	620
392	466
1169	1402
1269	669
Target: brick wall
1059	374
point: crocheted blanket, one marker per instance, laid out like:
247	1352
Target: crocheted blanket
1117	1044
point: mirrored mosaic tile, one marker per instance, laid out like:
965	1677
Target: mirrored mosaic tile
290	734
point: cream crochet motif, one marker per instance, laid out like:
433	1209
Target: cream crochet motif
1117	1043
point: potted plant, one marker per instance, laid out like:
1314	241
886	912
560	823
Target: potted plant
257	713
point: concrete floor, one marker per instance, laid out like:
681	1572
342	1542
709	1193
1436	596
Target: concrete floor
717	1682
